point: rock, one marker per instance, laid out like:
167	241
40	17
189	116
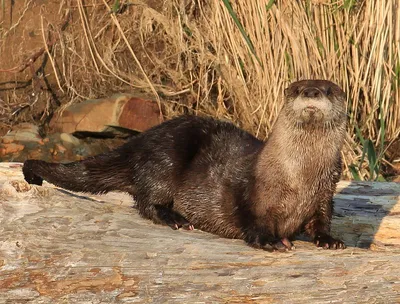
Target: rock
35	154
69	139
124	111
22	132
106	122
140	115
7	140
10	149
22	137
55	148
59	148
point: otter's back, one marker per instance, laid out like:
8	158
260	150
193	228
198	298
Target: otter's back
161	158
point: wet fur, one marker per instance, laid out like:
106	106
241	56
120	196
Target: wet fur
219	178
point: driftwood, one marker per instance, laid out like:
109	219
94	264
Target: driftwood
61	247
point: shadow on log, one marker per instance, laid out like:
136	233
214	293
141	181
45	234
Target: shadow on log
367	214
58	247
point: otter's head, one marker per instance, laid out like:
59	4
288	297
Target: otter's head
315	102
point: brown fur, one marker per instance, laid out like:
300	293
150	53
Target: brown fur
205	173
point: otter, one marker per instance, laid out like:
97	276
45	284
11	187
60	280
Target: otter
201	172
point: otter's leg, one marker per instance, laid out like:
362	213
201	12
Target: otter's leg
268	243
162	214
319	229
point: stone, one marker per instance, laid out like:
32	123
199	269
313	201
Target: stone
59	148
139	115
97	115
54	148
35	154
69	139
23	132
7	140
11	148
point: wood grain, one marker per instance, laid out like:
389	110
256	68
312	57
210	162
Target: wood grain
61	247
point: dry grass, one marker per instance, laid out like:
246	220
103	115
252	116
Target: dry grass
190	55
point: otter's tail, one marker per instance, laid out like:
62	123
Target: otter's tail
94	175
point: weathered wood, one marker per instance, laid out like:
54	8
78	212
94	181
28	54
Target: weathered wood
368	214
60	247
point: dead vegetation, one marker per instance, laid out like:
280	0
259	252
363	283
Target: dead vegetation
229	59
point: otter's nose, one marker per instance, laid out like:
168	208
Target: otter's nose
311	93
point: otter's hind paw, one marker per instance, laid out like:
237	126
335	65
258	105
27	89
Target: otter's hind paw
172	218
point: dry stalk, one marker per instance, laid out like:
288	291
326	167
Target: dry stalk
192	55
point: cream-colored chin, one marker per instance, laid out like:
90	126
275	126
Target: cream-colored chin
312	109
311	115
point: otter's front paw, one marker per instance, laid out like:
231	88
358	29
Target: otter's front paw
327	242
270	245
281	245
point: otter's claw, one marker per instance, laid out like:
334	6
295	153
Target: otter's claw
327	242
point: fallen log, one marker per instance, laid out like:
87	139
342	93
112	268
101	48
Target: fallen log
58	246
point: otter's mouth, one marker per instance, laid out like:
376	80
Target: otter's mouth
311	114
312	106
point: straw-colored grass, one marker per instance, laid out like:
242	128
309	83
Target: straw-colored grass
232	59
